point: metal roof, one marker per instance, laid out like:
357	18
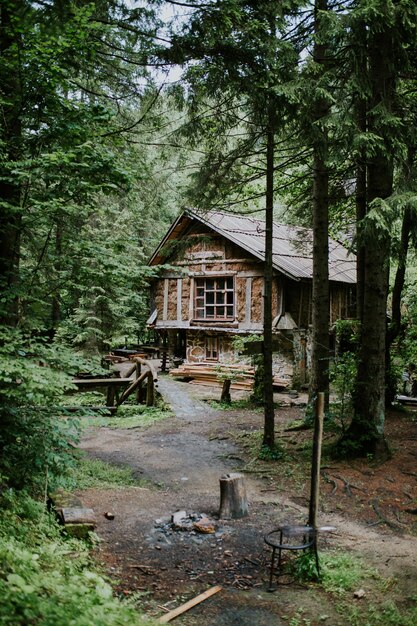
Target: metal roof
292	245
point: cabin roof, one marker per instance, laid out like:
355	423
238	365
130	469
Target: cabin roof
292	245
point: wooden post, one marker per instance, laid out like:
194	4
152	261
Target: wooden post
316	459
225	397
233	501
150	395
138	373
110	396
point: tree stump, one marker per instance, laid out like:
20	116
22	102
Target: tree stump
233	501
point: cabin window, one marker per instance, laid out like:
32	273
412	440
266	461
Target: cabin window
212	348
214	298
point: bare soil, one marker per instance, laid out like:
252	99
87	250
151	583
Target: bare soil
372	507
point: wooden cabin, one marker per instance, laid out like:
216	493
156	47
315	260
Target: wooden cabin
209	291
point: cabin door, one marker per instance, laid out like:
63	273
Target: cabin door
181	344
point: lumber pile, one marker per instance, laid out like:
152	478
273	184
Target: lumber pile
212	374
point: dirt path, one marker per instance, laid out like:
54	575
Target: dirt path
183	458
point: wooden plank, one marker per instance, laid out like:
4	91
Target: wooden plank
248	302
189	605
101	382
166	296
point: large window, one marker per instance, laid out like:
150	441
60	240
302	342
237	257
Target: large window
214	298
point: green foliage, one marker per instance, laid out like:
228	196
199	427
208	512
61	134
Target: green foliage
342	379
129	416
406	353
277	453
304	567
36	439
258	394
37	446
385	614
47	579
233	405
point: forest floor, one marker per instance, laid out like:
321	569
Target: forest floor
372	507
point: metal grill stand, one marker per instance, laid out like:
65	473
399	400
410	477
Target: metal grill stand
290	538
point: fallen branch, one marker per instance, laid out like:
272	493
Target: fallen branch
411	511
189	605
332	482
383	519
348	485
409	473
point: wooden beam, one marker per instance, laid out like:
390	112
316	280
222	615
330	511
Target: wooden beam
248	302
189	605
101	382
179	299
135	384
166	295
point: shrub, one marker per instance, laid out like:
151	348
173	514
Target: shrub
48	579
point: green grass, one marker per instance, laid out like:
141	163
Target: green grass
96	474
386	614
342	572
47	579
128	417
243	404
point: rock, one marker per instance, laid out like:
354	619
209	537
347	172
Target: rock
178	518
359	593
109	515
204	526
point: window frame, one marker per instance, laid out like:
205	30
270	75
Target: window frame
212	348
214	298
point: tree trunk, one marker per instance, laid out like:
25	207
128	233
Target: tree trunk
361	208
269	417
395	329
366	432
399	282
321	320
56	297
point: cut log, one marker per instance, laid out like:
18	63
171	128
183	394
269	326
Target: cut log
233	500
78	515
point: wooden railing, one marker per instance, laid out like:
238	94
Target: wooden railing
143	394
144	384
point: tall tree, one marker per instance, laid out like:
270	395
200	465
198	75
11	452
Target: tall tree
243	63
321	300
380	38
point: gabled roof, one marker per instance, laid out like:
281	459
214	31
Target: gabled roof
292	245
